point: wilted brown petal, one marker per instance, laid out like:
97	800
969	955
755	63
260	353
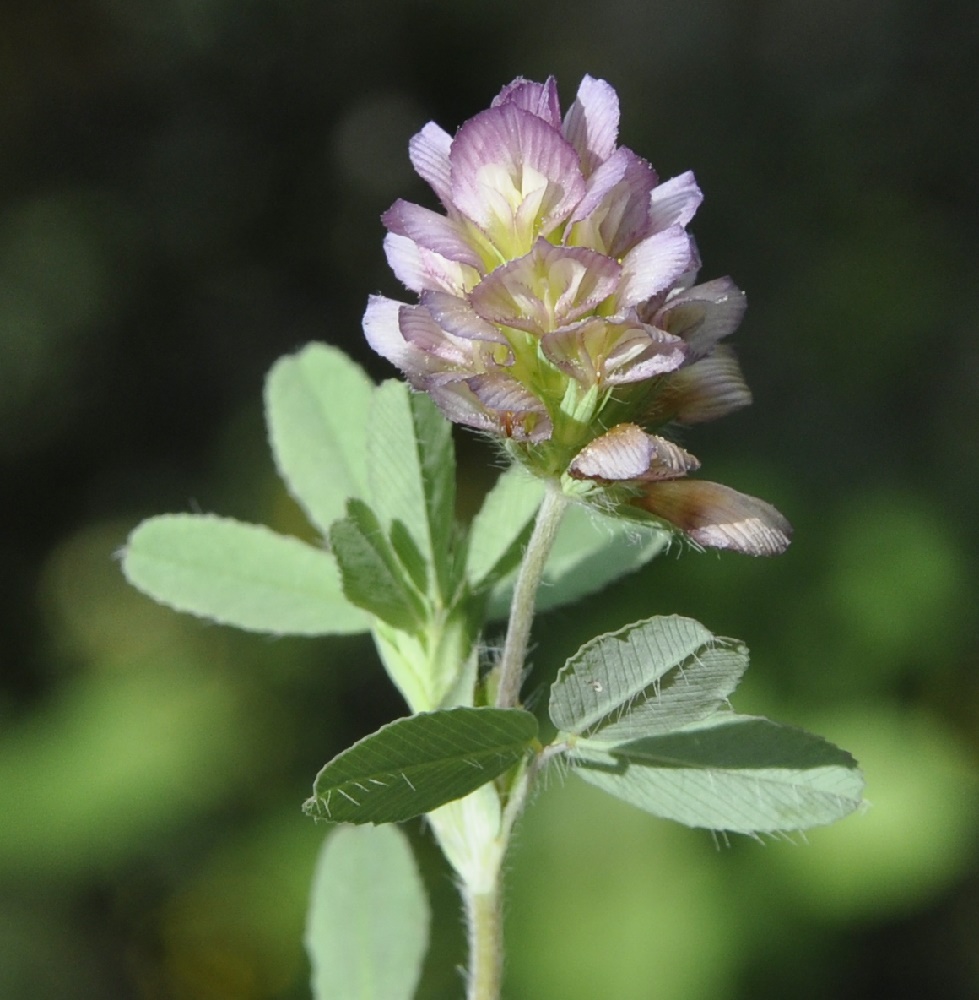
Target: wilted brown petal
708	389
628	453
718	517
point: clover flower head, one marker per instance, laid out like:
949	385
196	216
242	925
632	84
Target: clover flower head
558	310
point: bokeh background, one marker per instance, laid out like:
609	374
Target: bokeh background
191	188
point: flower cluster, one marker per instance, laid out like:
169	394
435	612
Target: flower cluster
558	311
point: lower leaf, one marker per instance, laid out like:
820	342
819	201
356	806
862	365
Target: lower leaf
367	929
737	773
413	765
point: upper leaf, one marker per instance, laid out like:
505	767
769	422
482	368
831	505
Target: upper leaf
730	772
591	551
373	578
416	764
651	677
502	526
239	574
367	928
316	405
411	471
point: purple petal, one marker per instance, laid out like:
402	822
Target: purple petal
656	353
428	151
433	231
704	314
612	353
418	268
613	216
460	405
674	202
710	388
420	330
540	99
592	123
718	517
514	176
495	403
383	331
654	265
546	289
455	315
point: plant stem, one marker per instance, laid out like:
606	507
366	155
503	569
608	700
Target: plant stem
485	944
525	594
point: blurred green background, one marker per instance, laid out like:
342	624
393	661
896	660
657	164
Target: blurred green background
191	188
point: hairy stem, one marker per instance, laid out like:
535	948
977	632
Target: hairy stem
485	944
525	593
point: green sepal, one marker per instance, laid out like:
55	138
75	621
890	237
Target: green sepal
415	764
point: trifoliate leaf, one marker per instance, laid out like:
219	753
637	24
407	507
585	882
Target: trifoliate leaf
411	472
737	773
416	764
316	406
239	574
651	677
367	928
373	578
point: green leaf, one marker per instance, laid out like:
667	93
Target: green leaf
239	574
367	928
737	773
373	579
651	677
591	551
411	471
502	526
317	404
416	764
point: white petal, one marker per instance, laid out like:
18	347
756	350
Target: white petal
510	168
383	331
420	330
704	314
455	315
430	230
418	268
592	122
653	266
613	216
538	98
674	202
546	289
429	154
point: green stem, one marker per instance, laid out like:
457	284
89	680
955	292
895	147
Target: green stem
485	944
525	594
